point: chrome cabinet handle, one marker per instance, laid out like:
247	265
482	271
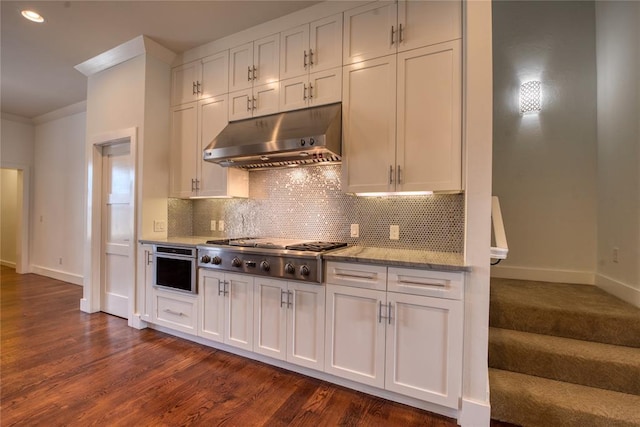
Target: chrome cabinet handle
393	31
248	104
304	93
220	288
400	29
254	73
176	313
282	302
193	184
198	87
389	313
255	101
391	174
248	74
310	56
380	316
310	91
193	88
289	298
399	177
355	276
304	61
149	257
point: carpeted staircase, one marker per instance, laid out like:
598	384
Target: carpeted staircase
563	355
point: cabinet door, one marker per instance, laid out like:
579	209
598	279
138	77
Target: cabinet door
325	43
424	348
176	311
265	99
266	59
355	335
212	119
429	155
215	75
294	52
211	289
428	22
370	31
240	105
294	93
239	311
269	328
184	81
240	67
325	87
369	125
182	168
305	325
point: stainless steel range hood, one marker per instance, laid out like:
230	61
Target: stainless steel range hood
309	136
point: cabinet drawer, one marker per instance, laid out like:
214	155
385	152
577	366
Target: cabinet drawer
176	312
429	283
358	275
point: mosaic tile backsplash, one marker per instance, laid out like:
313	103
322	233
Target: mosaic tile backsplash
307	203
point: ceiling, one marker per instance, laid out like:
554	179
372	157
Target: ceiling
37	60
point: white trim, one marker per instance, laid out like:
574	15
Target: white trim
16	118
64	276
544	275
621	290
69	110
474	414
8	263
124	52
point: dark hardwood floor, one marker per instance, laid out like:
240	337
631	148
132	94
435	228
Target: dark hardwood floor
62	367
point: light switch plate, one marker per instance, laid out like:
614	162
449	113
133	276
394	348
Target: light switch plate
221	225
159	225
355	230
212	227
394	232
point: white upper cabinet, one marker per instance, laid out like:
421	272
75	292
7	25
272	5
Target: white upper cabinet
256	101
254	63
311	47
200	79
382	28
323	87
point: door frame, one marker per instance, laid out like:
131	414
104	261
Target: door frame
91	300
23	223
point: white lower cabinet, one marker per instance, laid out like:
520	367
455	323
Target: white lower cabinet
226	313
403	342
176	311
289	321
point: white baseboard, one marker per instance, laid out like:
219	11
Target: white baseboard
544	275
621	290
474	414
8	263
75	279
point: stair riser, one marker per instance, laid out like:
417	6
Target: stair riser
608	375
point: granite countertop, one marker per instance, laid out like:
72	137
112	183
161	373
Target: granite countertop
444	261
189	241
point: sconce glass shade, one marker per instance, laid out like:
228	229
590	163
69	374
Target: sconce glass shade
530	97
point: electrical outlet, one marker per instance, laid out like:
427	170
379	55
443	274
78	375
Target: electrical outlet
212	227
221	225
355	230
159	225
614	254
394	232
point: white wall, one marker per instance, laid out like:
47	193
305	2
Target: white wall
618	62
8	216
545	165
16	142
58	198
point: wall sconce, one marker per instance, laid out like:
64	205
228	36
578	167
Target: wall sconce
530	97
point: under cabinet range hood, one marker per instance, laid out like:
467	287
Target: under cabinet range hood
309	136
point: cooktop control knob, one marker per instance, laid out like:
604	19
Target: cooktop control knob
236	262
216	260
264	266
304	270
289	268
205	259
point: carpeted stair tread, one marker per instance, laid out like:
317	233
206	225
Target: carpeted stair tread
574	311
528	400
588	363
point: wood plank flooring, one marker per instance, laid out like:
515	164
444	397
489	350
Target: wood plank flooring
62	367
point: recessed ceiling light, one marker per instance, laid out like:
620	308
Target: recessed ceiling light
32	16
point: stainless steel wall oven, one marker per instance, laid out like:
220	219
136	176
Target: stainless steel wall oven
175	268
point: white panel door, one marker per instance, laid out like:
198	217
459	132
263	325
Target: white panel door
429	120
424	348
215	75
369	125
211	288
305	325
182	164
325	87
184	83
266	99
239	311
425	23
294	93
117	229
325	43
370	31
240	105
355	335
270	332
240	67
212	118
266	60
294	52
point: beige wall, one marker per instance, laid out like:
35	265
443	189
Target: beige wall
618	62
545	164
8	216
